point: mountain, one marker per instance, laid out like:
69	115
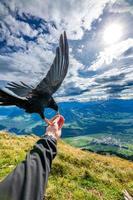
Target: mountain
109	121
112	116
75	174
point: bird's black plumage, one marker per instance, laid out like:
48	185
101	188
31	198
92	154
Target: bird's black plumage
35	100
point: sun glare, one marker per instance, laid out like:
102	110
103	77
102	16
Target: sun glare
112	33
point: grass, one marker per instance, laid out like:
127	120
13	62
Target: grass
75	174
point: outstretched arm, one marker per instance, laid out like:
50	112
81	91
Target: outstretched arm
29	179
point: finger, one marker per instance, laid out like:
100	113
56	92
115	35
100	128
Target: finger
55	117
60	122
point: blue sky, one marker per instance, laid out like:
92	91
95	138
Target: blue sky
100	37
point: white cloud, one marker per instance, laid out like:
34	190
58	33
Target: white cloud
122	6
27	66
73	16
109	76
113	52
16	26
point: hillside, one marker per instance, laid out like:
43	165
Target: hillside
75	174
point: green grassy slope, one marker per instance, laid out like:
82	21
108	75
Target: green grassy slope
75	174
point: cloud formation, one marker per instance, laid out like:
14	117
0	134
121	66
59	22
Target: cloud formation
73	16
29	33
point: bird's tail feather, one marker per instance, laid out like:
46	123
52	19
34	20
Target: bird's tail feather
6	99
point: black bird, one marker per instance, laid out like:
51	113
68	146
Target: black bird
35	100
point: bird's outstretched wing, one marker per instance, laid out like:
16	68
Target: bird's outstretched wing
54	77
21	89
58	69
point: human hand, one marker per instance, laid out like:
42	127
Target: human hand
54	128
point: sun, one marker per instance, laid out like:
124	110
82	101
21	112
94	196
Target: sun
112	33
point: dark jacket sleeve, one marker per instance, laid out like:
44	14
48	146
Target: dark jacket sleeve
29	179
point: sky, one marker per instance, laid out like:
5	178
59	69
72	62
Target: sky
100	37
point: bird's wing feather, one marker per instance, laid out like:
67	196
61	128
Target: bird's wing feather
7	99
58	69
54	77
21	89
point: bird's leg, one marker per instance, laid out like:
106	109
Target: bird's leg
45	119
49	122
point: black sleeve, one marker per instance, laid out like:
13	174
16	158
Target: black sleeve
28	180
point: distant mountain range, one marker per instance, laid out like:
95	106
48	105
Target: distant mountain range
112	116
109	117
